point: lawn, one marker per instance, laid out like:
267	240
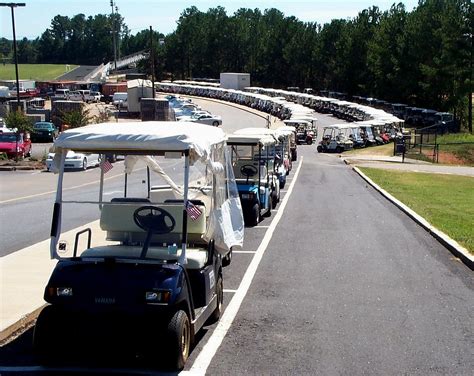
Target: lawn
445	201
382	150
38	72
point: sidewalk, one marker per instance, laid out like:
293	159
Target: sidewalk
24	275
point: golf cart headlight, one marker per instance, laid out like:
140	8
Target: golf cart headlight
64	291
157	296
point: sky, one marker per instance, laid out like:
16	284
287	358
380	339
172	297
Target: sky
33	19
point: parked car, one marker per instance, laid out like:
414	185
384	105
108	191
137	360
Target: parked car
95	96
207	119
15	145
76	160
62	94
44	131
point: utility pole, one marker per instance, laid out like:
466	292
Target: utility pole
152	57
113	35
12	7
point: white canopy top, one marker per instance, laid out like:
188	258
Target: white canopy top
143	136
261	139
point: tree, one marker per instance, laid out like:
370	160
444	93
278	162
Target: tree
76	119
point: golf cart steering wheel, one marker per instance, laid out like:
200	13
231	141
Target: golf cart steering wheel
248	170
153	219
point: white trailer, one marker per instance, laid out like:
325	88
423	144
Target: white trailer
138	89
236	81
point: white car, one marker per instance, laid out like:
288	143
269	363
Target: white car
207	119
76	160
95	96
119	100
187	117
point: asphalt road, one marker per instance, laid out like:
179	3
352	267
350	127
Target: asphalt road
347	285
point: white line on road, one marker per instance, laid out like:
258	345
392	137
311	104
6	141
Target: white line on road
229	290
234	252
210	348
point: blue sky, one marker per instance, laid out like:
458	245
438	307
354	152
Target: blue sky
35	17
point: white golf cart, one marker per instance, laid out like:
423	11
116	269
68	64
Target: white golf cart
148	272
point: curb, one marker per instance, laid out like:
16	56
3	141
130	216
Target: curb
19	168
19	327
452	245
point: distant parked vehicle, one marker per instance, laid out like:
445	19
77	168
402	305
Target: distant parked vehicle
208	119
62	94
44	131
15	145
119	100
78	161
95	96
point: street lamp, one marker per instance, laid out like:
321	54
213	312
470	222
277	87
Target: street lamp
113	34
12	6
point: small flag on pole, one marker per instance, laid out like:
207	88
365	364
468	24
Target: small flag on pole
193	211
107	166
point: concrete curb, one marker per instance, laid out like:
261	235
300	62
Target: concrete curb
455	248
20	168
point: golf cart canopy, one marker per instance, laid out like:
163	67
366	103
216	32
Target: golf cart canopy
153	137
250	139
205	167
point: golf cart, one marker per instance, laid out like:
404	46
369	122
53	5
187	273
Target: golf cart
335	139
305	131
291	133
148	273
276	155
250	156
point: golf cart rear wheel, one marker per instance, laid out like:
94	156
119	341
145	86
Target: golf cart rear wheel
179	336
216	315
320	149
254	215
275	199
227	259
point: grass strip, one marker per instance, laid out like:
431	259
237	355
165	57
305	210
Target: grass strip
445	201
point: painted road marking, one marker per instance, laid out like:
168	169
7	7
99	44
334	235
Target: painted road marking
229	290
244	252
210	348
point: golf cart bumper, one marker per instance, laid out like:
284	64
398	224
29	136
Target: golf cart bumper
96	288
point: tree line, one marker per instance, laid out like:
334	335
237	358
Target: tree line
421	57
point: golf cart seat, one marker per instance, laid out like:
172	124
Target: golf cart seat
117	220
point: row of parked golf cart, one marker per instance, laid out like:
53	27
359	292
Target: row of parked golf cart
367	126
148	276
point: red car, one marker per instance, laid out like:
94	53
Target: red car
12	148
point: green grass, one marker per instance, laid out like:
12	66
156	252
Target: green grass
464	152
445	201
39	72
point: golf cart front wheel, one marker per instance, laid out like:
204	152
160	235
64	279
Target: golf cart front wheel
320	149
179	335
46	339
227	259
254	217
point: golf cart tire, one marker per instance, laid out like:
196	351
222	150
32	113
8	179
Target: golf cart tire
268	213
339	149
275	200
254	216
179	340
227	259
319	149
46	339
216	315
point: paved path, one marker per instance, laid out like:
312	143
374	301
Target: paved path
395	163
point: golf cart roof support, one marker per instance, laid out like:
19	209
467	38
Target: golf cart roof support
56	223
182	258
101	187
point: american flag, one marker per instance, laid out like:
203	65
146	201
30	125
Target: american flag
193	211
107	166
